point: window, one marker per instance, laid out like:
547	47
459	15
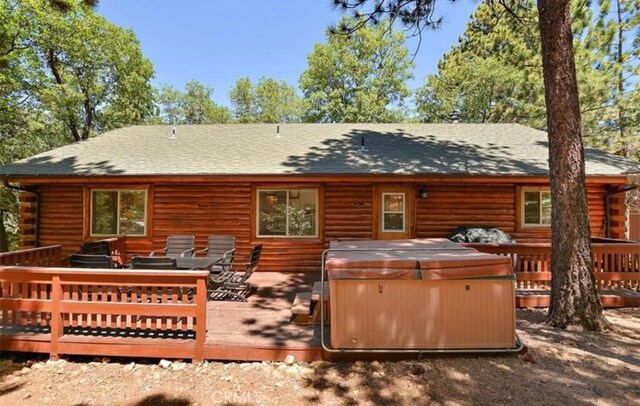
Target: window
288	213
536	210
393	212
118	212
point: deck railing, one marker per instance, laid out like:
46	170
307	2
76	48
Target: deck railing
104	312
615	265
42	256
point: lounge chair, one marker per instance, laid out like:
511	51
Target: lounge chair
232	282
178	246
219	246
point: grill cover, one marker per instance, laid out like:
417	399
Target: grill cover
479	234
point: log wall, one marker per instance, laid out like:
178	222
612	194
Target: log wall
205	209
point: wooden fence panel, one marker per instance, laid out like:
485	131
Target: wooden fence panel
616	265
42	256
104	304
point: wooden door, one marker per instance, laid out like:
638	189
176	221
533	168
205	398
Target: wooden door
394	212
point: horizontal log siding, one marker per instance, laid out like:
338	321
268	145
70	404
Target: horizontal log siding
595	197
348	212
201	210
225	208
61	217
449	206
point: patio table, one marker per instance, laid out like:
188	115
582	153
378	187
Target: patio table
197	262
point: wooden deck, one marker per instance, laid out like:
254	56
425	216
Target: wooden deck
49	309
260	329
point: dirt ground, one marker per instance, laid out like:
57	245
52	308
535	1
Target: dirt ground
561	367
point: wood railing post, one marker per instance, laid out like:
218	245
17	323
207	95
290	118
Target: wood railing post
56	318
201	318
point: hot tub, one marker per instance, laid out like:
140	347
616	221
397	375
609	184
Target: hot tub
419	294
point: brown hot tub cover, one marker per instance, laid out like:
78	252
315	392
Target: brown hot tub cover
431	259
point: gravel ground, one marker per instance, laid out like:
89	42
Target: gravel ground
561	367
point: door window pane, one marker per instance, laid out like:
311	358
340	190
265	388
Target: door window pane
393	222
393	212
393	203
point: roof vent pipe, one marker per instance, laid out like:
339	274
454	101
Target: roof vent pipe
455	116
362	147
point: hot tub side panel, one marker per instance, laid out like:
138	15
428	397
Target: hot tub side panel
422	314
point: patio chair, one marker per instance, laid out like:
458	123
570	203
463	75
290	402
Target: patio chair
232	283
91	261
220	246
99	248
178	246
156	263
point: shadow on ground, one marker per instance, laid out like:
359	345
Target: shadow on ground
561	367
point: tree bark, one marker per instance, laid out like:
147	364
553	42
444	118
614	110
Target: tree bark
574	298
620	60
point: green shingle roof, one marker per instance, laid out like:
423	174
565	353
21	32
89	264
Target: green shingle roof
247	149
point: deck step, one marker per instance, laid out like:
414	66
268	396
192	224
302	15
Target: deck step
302	303
306	306
317	289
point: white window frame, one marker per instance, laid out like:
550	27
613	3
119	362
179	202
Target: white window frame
522	207
403	212
146	214
288	193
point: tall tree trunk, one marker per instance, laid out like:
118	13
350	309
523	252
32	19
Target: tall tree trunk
574	299
620	63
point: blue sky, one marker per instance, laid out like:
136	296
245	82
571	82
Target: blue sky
216	42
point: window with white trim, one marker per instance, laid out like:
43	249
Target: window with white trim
287	213
119	212
536	207
393	212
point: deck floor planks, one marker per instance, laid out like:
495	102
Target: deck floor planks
263	322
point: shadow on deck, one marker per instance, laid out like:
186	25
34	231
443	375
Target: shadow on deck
260	328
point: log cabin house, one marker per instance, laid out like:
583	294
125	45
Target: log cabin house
295	187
